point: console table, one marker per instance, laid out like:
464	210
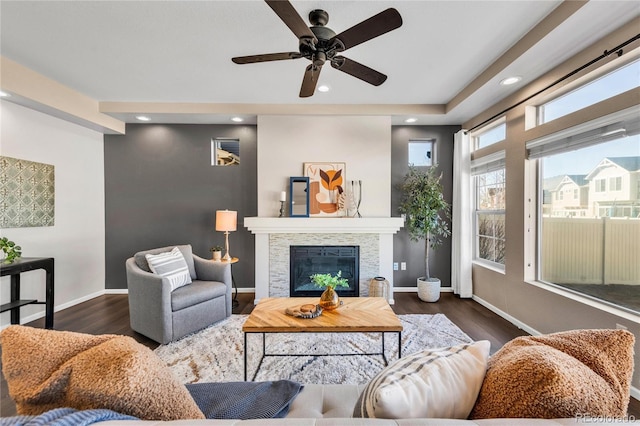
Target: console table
25	264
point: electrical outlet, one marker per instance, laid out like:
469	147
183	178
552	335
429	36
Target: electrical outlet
621	327
403	266
395	266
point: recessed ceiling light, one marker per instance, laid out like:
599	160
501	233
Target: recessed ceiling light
4	94
142	118
323	88
510	80
411	120
237	119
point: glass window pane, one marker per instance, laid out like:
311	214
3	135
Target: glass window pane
491	136
490	216
591	243
609	85
421	153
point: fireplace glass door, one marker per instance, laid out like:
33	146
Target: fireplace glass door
309	260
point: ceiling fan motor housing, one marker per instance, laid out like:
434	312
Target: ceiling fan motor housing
323	49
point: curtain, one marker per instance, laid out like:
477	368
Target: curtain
462	230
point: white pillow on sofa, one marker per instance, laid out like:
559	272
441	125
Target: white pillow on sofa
170	265
436	383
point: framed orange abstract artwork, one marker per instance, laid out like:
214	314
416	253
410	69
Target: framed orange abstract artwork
326	183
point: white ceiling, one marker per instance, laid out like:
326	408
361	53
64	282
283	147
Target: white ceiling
180	51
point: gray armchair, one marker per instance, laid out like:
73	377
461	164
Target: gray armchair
164	315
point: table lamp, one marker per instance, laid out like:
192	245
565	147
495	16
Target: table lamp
226	221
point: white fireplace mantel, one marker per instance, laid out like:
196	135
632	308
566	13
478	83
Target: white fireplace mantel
329	225
318	228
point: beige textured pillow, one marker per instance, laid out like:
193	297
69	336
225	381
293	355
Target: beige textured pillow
436	383
560	375
47	369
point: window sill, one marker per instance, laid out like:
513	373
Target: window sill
589	301
495	267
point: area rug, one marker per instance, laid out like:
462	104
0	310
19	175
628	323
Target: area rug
215	354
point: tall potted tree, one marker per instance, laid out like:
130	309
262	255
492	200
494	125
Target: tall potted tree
426	217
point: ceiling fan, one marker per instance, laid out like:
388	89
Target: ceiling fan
320	44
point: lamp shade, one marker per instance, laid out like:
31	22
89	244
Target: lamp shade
226	220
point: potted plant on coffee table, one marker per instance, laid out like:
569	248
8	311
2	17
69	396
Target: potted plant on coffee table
426	217
329	299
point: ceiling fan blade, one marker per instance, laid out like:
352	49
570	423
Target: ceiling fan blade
266	57
379	24
358	70
310	81
292	19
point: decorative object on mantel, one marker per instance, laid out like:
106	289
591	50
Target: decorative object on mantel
28	192
329	299
356	197
427	215
305	311
299	196
10	251
326	182
216	253
283	199
226	221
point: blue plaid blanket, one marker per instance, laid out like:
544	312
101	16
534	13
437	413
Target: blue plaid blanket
65	417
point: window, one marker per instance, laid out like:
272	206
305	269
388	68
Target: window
225	152
615	183
490	204
575	194
591	247
489	135
607	86
421	153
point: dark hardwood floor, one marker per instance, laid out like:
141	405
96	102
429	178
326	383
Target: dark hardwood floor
109	314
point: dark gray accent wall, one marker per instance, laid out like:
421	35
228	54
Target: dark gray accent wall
161	190
405	250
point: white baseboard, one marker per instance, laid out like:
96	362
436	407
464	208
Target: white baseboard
635	392
415	290
511	319
116	291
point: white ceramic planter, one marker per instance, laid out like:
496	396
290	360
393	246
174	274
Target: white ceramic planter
429	290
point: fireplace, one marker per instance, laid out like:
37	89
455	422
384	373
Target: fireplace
308	260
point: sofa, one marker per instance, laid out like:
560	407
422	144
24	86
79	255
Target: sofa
566	378
332	405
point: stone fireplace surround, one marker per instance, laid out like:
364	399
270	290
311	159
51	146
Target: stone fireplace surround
274	236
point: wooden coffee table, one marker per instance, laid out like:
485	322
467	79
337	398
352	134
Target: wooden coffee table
356	315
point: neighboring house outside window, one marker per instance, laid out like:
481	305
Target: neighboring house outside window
621	199
570	196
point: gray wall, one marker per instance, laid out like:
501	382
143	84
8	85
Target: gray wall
405	250
160	190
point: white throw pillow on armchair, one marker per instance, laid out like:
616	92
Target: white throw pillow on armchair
171	265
